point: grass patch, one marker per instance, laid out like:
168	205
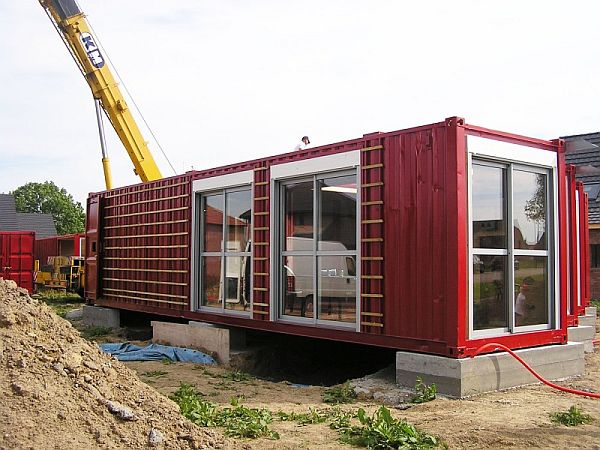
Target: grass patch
424	393
94	332
155	373
381	431
237	420
237	376
61	303
342	393
595	302
573	417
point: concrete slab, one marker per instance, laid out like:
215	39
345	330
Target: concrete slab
587	321
237	336
101	317
485	373
209	339
584	334
590	311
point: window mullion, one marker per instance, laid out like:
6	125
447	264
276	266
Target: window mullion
510	266
316	237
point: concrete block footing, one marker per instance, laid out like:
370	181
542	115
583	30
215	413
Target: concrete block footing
587	321
485	373
237	336
206	338
583	334
590	311
101	317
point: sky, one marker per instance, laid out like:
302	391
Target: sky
227	81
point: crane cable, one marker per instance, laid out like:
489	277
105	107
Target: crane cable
494	346
105	53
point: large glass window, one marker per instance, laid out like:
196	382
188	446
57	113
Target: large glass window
225	263
511	281
318	248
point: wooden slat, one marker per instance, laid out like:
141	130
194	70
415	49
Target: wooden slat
372	166
374	202
170	283
261	213
261	228
264	313
146	190
150	224
258	169
370	149
266	305
371	240
145	299
261	289
372	277
144	293
138	236
138	247
371	314
370	221
368	295
370	185
257	199
147	201
127	269
372	258
260	258
261	183
259	244
147	212
116	258
261	274
372	324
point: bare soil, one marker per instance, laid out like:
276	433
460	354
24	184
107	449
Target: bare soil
44	408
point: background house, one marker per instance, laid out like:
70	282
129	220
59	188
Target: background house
11	220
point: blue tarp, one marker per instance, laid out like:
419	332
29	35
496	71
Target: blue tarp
156	352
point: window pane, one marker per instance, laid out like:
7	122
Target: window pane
337	289
298	276
489	294
531	290
489	207
211	281
213	223
529	210
298	215
337	219
239	216
237	283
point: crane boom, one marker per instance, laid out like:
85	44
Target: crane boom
77	35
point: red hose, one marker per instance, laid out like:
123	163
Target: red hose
493	346
596	342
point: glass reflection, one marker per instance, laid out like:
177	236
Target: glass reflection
337	288
212	222
239	216
298	215
529	210
488	208
337	217
489	299
211	281
531	290
298	275
237	283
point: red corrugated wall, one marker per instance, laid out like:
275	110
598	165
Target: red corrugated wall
16	257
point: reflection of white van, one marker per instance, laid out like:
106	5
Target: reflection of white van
337	273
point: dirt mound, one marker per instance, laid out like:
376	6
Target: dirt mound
60	391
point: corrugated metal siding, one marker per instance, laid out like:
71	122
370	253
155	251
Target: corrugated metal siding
16	257
44	248
145	239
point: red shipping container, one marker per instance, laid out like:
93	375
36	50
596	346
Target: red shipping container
413	277
16	257
66	245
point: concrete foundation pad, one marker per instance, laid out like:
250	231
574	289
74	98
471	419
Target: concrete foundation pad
101	317
210	339
587	321
591	311
237	336
486	373
584	334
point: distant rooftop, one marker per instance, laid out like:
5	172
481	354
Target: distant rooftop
11	220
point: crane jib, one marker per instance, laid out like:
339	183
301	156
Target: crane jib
66	8
92	50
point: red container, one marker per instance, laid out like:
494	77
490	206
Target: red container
66	245
413	257
16	257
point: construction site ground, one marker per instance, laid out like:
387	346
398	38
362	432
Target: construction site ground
46	408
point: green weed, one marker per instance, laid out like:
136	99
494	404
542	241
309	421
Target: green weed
166	361
313	416
381	431
342	393
573	417
237	376
595	302
237	420
155	373
94	332
61	303
424	393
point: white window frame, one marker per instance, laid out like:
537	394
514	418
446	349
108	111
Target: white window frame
308	169
200	188
513	156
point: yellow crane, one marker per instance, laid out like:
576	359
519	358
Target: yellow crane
76	33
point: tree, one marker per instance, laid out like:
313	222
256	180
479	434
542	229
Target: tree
47	198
